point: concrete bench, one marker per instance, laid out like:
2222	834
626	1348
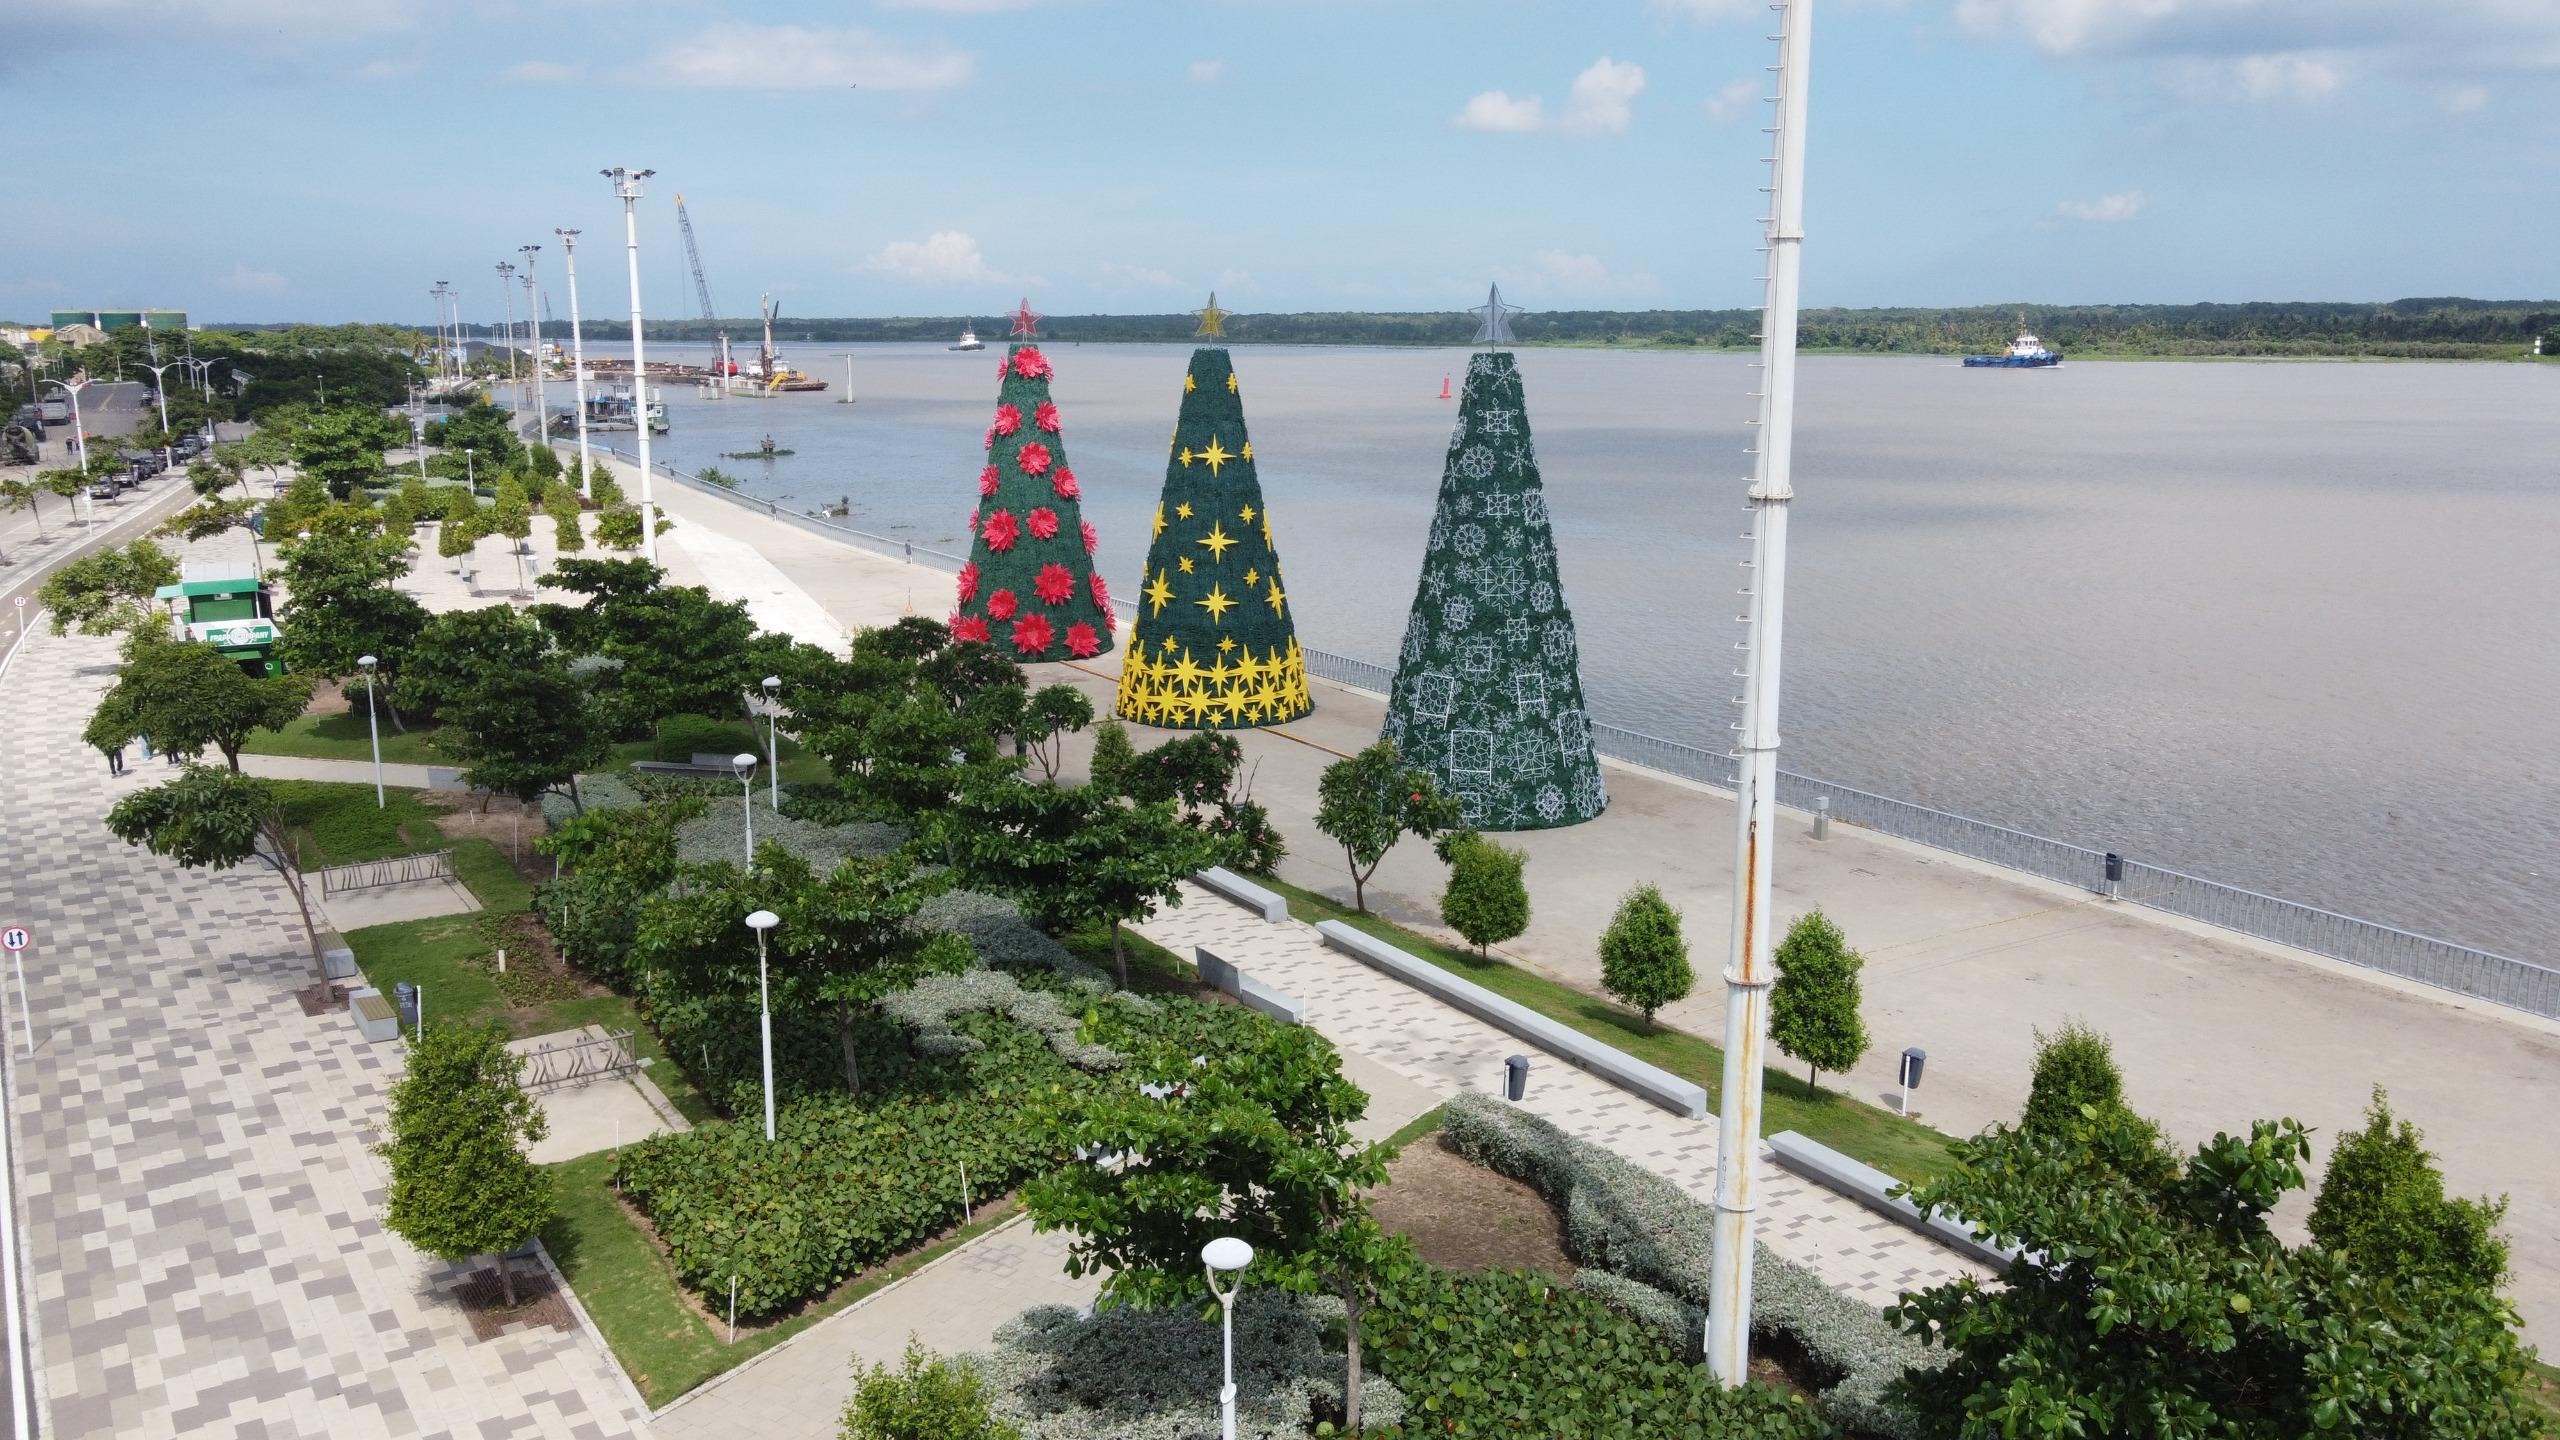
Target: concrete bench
1255	995
1232	886
1648	1082
671	767
1867	1185
374	1017
338	962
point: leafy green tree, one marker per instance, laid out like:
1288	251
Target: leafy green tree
186	696
1112	755
210	517
213	820
461	1183
1072	855
342	606
604	489
1644	961
343	447
680	651
1368	802
107	591
512	516
21	495
2153	1299
1254	1143
2075	1070
524	732
844	944
207	475
456	651
481	429
1813	1007
618	526
458	534
1487	899
1048	718
561	504
927	1397
2382	1205
266	449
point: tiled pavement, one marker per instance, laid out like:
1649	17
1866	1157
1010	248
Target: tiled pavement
1446	1051
202	1208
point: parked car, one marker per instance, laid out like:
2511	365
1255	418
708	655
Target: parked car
57	411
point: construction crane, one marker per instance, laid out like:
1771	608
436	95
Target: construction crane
693	256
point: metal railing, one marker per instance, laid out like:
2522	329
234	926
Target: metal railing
578	1062
2440	963
398	870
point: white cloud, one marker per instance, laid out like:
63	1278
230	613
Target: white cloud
1121	276
959	7
2106	209
1206	72
1708	9
1568	275
1496	111
946	257
2400	34
1599	104
386	69
1732	99
543	72
1235	279
2465	100
2285	77
253	282
737	56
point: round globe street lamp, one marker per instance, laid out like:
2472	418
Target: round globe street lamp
772	739
760	922
372	727
1227	1255
745	765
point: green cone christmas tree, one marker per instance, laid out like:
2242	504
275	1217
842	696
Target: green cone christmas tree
1213	645
1488	689
1030	588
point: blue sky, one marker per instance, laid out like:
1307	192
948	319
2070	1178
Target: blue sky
330	159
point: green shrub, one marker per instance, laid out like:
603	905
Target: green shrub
1813	1007
1644	962
1487	899
1112	754
926	1398
681	737
2382	1205
1510	1353
2075	1066
1679	1324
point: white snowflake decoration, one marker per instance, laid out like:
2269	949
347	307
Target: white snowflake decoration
1476	463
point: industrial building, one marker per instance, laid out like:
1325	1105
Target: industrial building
113	320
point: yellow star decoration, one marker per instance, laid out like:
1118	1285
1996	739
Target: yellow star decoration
1247	452
1215	603
1160	593
1159	520
1213	324
1266	531
1231	382
1265	689
1182	511
1216	455
1246	514
1189	384
1276	596
1252	577
1217	540
1185	562
1226	643
1185	457
1168	644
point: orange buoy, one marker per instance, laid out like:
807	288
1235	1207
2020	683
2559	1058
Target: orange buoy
1444	387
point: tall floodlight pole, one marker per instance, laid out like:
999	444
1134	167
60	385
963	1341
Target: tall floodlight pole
578	360
533	325
507	293
1748	970
626	184
445	339
160	392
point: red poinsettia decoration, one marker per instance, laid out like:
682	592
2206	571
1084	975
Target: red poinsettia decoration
1001	605
1008	419
1030	364
1046	417
1034	459
1053	584
1044	523
1031	634
968	582
1064	482
1082	643
1002	530
969	627
987	479
972	526
1092	540
1101	592
991	438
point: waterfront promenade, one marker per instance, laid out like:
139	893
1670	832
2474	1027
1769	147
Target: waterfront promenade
1964	959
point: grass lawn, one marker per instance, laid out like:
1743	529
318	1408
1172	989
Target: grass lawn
341	736
1153	970
2543	1384
630	1290
1902	1148
731	737
339	824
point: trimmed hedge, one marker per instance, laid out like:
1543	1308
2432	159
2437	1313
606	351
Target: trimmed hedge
1621	1217
1004	940
930	1005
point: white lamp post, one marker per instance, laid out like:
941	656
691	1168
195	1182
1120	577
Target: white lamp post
760	922
578	359
533	324
745	765
372	727
160	392
626	184
79	432
772	738
1227	1255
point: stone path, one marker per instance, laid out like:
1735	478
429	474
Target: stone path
201	1204
1447	1051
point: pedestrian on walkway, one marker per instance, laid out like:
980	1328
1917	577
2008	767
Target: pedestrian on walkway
115	760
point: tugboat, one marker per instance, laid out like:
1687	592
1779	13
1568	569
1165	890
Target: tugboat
2024	353
968	339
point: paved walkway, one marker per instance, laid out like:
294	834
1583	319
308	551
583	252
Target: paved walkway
202	1207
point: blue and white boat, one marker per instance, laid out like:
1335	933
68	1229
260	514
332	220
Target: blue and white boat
2024	353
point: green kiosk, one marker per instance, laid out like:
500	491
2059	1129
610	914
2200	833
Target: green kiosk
236	617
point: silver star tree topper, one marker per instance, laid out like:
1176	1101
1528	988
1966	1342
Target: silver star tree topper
1493	319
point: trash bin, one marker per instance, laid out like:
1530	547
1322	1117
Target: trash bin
405	995
1913	1058
1515	1077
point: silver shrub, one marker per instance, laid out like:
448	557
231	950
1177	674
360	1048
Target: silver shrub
1131	1374
1677	1321
929	1006
1004	940
1623	1218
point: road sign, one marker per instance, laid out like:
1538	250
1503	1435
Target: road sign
14	939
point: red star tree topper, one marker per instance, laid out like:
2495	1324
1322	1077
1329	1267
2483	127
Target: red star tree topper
1030	588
